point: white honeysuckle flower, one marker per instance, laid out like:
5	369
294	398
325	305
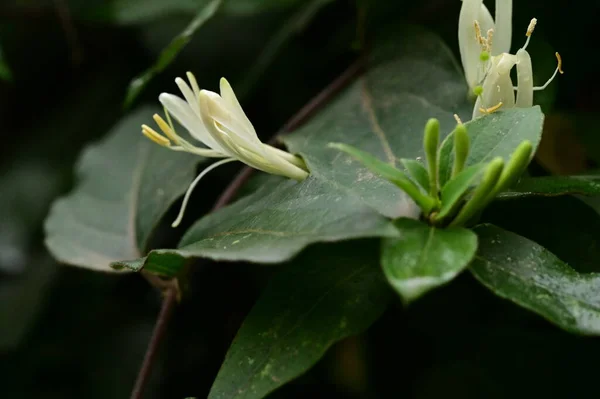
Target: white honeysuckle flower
497	89
468	38
218	122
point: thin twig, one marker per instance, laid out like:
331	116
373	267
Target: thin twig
228	194
158	334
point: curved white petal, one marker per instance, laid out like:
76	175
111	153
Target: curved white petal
467	41
183	113
524	80
188	94
503	33
230	98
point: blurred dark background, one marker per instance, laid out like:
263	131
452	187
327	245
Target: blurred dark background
68	332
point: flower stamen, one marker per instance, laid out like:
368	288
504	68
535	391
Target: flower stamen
529	32
557	70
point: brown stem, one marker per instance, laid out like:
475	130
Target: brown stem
171	293
158	334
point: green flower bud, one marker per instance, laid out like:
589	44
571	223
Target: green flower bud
431	141
461	149
515	167
481	193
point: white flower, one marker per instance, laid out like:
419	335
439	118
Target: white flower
468	38
498	90
218	122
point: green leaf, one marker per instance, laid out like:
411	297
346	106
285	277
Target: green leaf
391	174
383	111
454	190
417	172
526	273
425	257
125	185
172	50
495	135
328	294
549	222
272	225
551	186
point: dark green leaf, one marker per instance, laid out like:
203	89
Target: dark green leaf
526	273
425	257
550	186
172	50
328	294
564	225
126	183
383	169
495	135
272	225
454	190
417	172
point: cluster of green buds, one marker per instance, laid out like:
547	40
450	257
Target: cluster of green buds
469	188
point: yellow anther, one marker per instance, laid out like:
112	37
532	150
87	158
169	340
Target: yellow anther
154	136
491	110
531	27
457	119
559	63
166	129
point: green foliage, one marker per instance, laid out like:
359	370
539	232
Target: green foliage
293	288
327	294
126	184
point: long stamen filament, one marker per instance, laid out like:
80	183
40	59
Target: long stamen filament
190	189
557	70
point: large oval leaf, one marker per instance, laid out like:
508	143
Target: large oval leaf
526	273
571	232
327	294
272	225
425	257
125	185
